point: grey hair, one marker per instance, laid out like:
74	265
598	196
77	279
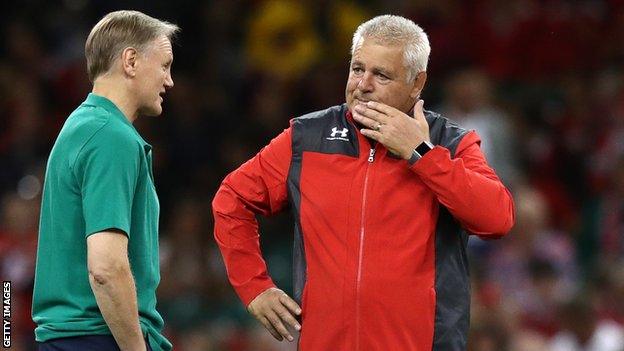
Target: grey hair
119	30
397	30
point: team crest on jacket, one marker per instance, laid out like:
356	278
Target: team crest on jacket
338	134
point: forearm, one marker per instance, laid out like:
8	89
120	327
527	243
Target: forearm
116	297
482	205
469	189
236	234
258	187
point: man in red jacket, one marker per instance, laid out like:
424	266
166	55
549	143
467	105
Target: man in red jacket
384	195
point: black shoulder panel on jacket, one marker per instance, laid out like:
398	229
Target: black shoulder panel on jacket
326	131
444	132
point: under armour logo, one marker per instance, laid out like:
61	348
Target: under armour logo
343	132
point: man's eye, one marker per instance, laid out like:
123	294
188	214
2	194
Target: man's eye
358	70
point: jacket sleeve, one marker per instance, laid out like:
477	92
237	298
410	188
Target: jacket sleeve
256	187
468	187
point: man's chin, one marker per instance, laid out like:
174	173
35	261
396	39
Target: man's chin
152	111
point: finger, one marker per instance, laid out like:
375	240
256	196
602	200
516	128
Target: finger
370	123
383	108
375	135
267	324
287	317
290	304
276	321
371	113
418	110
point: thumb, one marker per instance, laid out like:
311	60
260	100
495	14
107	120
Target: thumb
418	109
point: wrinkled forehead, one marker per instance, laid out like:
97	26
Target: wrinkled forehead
378	50
381	41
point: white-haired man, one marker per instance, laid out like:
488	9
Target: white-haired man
97	259
383	195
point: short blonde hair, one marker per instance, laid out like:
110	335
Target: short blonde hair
119	30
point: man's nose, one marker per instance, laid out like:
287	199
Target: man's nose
365	84
169	81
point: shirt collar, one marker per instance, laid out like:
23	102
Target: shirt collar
100	101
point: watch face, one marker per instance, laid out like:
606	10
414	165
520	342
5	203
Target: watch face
423	148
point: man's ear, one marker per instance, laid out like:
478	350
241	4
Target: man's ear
419	84
129	61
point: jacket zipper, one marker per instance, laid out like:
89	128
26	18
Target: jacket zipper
371	158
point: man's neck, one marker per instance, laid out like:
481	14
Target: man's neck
115	91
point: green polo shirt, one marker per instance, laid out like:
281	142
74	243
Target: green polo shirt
98	177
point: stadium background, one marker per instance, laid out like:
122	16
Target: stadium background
541	81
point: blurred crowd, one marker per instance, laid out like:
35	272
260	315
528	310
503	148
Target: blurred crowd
541	81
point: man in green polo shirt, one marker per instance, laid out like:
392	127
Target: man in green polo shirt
97	260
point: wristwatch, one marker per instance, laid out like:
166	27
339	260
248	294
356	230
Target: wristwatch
420	151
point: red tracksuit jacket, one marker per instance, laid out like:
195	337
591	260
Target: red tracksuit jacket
380	246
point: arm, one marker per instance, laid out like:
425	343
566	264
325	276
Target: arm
113	286
257	187
107	170
468	187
